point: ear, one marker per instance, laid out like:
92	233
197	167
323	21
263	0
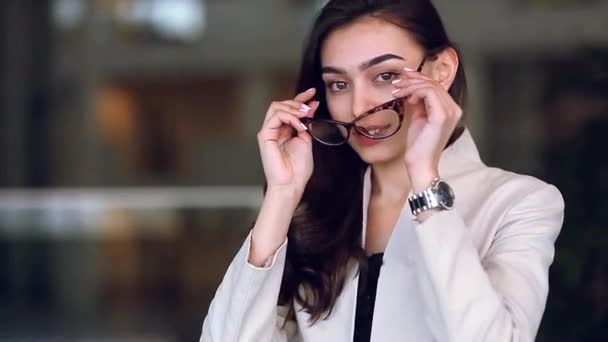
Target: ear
444	67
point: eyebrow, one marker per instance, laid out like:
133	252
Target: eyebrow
364	65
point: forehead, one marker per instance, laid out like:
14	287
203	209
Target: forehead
364	39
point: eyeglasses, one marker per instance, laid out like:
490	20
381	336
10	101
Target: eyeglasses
380	122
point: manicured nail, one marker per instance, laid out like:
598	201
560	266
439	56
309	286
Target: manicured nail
408	69
396	81
304	126
396	91
304	108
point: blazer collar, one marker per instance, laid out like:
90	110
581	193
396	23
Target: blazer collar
459	156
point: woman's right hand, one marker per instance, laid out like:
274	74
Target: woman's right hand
286	151
285	146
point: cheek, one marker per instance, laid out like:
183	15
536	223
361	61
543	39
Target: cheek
339	109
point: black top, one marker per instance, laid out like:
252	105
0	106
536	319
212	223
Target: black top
366	298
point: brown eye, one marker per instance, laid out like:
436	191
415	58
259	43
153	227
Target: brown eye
386	76
337	86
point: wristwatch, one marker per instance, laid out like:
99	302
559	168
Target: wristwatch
438	196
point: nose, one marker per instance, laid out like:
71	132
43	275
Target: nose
362	101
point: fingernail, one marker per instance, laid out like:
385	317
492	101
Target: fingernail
304	108
408	69
396	91
304	126
311	89
396	81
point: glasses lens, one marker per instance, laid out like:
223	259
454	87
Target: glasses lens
378	125
328	133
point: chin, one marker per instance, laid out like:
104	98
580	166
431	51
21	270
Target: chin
381	153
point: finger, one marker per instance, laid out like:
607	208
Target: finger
314	105
296	103
413	94
420	95
436	109
280	119
443	95
305	136
306	96
281	107
410	88
301	111
300	106
404	82
450	107
409	73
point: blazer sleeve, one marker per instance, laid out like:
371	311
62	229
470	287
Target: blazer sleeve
245	305
502	296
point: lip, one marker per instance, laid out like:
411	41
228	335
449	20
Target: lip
363	140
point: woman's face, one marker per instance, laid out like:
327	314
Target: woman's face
359	62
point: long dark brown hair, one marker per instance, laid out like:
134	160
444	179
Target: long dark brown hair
325	232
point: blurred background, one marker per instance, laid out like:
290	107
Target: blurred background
130	174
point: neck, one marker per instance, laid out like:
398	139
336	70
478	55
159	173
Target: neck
390	180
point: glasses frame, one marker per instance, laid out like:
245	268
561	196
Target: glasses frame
396	105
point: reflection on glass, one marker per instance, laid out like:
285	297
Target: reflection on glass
183	20
68	14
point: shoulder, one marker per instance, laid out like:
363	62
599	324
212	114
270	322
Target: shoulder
473	180
495	203
518	188
500	191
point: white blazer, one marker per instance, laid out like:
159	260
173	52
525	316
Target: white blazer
478	272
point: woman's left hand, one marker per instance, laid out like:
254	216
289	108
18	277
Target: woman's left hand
432	118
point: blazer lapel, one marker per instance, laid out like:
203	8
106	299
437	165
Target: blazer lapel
400	312
397	300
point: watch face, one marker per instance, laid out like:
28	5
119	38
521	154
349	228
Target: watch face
445	195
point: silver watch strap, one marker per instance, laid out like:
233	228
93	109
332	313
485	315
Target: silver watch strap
424	200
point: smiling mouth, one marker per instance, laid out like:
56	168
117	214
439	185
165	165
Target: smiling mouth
375	130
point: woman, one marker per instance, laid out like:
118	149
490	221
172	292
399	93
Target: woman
379	220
